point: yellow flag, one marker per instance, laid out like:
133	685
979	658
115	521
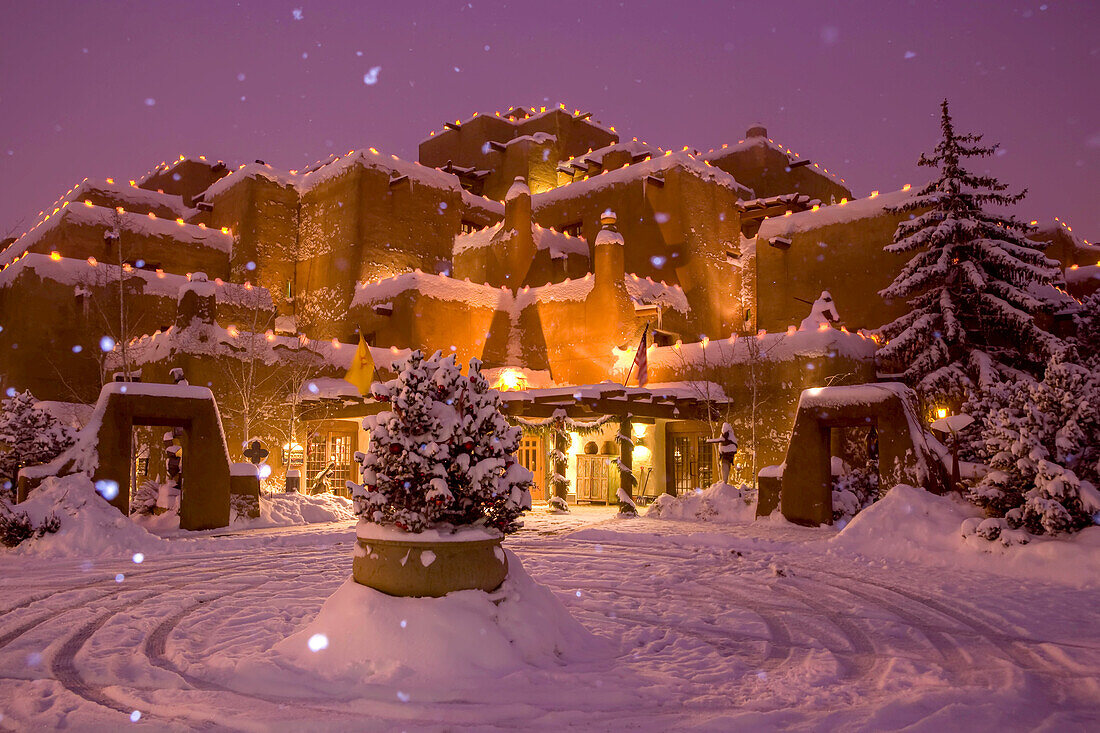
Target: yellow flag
361	373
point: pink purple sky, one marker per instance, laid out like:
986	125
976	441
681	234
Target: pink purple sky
104	89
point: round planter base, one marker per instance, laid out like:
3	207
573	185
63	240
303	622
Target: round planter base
417	568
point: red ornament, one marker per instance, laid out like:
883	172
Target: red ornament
468	445
395	448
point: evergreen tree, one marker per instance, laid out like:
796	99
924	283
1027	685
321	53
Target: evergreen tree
1042	444
28	436
443	455
970	286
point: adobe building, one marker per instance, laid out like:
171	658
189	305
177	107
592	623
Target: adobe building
535	240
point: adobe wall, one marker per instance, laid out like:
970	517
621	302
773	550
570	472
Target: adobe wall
421	322
358	227
263	217
186	178
43	322
677	233
847	259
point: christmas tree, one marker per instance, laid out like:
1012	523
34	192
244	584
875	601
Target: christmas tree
971	287
28	435
443	455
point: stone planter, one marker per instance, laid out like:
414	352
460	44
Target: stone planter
429	563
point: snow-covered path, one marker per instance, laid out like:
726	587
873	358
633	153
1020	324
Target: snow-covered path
715	627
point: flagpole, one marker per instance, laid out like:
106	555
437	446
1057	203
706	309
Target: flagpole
631	370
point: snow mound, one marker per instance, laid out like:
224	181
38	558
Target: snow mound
372	637
292	508
90	527
720	503
913	525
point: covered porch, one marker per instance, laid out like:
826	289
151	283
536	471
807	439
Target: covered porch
583	443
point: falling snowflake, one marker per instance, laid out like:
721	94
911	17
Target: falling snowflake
149	101
317	642
297	13
371	77
910	55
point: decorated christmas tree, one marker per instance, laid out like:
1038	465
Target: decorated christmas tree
443	455
973	286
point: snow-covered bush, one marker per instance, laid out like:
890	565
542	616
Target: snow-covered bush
28	435
1041	440
855	490
443	455
1086	336
16	527
145	498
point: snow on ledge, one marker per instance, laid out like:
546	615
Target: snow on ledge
854	210
372	531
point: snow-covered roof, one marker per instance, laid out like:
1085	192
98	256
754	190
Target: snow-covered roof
440	287
653	166
645	291
214	340
74	272
839	213
1078	275
559	243
596	156
328	388
130	195
473	201
305	181
773	347
517	121
81	214
762	140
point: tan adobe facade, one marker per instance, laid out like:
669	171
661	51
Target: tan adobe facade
534	240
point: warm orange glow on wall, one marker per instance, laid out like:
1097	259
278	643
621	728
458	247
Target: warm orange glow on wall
511	380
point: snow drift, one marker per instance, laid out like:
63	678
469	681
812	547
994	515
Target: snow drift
363	635
720	503
292	508
90	527
913	525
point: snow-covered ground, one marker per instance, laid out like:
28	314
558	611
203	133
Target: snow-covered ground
701	625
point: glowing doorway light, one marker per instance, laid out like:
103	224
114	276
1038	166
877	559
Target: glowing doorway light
511	380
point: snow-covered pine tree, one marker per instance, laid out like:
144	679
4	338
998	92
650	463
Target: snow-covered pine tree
1042	445
442	455
970	284
1087	332
28	436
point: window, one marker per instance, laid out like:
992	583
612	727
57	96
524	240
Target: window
573	230
469	227
328	462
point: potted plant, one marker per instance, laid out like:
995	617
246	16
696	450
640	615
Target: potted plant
441	484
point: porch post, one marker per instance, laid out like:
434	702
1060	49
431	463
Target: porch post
626	463
558	483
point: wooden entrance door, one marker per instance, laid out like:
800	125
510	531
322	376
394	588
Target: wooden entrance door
689	459
532	456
